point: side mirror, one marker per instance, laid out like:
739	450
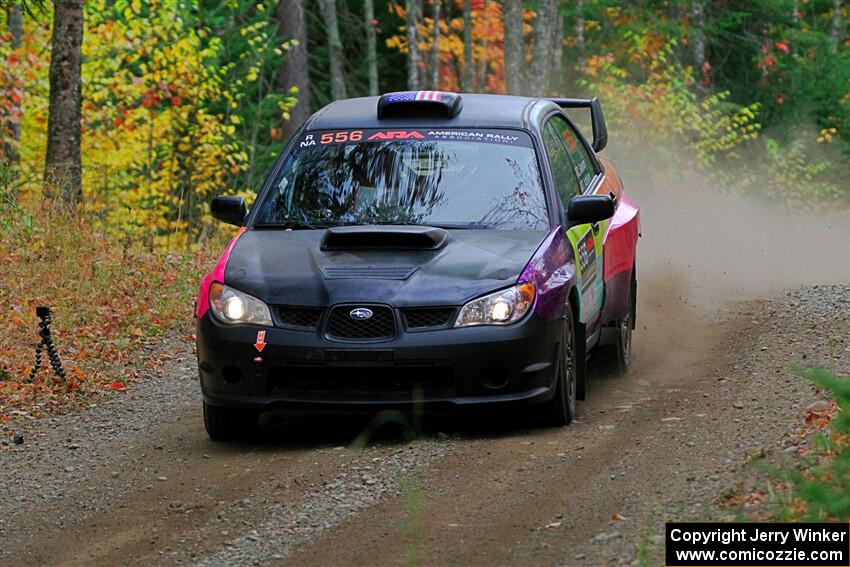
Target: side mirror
584	209
229	209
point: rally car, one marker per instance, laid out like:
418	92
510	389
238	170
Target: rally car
421	247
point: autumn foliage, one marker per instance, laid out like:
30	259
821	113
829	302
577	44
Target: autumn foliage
109	302
488	35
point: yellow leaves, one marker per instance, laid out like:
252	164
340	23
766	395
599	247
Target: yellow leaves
826	135
148	165
645	87
397	42
487	38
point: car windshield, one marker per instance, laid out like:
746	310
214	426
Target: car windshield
486	178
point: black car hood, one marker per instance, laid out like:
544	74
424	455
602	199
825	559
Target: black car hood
292	268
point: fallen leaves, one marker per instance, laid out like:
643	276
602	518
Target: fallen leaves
820	419
110	302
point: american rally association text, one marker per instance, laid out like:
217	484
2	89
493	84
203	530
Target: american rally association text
727	536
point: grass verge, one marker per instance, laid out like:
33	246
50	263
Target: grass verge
109	298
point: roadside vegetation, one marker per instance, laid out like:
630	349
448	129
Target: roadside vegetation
110	300
176	101
815	485
821	490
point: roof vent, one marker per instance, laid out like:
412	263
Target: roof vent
419	104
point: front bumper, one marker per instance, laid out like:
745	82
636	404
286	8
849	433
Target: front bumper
453	367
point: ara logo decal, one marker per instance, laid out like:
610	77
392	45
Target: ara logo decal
397	135
360	313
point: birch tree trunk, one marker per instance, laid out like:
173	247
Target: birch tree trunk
514	47
62	167
836	25
412	8
16	30
16	23
698	20
435	48
466	81
556	64
580	43
328	9
371	46
544	25
294	70
698	17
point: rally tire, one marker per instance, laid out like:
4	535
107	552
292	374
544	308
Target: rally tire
561	409
581	361
229	424
625	326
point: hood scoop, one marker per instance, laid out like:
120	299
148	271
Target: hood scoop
384	237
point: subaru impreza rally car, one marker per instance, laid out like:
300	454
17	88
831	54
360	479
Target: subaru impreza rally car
428	247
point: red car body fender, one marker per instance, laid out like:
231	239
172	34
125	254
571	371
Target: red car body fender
216	275
621	239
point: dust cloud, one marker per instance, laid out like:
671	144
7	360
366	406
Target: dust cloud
703	251
720	247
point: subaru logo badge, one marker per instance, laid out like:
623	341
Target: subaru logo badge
361	314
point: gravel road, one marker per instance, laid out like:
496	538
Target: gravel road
135	480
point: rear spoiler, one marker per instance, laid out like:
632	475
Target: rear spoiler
597	119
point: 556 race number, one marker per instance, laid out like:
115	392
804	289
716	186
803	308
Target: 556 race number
339	137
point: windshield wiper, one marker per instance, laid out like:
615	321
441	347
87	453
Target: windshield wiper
291	225
461	226
444	225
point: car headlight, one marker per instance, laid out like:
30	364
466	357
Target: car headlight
501	308
233	306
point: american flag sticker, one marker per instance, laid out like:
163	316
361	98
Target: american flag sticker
435	96
411	96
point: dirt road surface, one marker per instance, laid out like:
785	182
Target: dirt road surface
135	481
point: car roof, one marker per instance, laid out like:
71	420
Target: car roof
479	111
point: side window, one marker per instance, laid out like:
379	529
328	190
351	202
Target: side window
566	183
582	163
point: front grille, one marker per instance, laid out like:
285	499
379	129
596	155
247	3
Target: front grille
302	317
425	376
341	325
428	317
